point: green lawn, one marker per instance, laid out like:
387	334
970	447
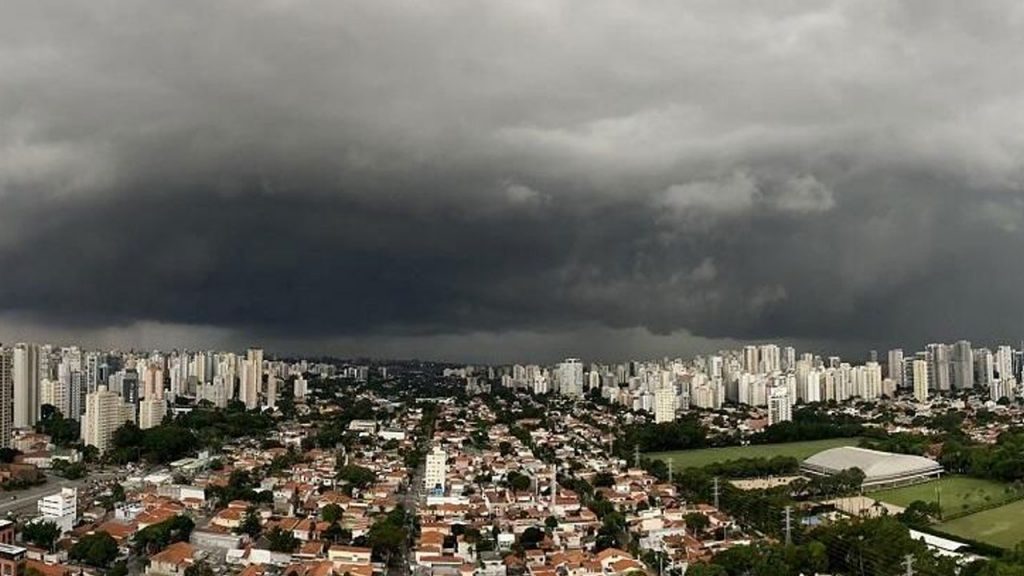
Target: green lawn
957	494
698	458
1000	526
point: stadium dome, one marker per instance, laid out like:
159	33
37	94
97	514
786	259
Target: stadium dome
881	469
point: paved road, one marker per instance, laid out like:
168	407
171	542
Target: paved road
25	500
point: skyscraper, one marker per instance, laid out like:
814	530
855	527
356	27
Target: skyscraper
665	403
569	375
6	394
252	378
26	385
921	386
151	412
104	413
895	366
939	367
962	366
779	407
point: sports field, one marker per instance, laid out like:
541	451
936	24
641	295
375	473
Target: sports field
956	494
1000	526
698	458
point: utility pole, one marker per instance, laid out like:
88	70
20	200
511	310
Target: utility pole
908	563
636	455
670	471
715	492
789	525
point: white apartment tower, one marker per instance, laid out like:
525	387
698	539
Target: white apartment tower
896	366
6	394
665	403
252	378
104	413
151	413
26	385
570	378
920	380
779	407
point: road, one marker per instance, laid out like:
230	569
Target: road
25	500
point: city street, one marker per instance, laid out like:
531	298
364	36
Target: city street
24	501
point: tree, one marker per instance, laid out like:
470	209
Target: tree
7	455
386	539
200	568
70	470
42	534
531	537
98	549
696	521
331	513
919	513
62	431
604	479
250	524
517	481
356	476
282	540
152	539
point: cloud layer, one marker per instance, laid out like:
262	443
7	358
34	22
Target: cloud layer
347	171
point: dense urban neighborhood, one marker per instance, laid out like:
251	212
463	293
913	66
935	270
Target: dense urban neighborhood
200	464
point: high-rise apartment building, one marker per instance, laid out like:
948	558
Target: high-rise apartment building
26	385
252	378
939	367
104	413
569	375
780	409
151	413
962	366
921	387
895	367
6	395
665	403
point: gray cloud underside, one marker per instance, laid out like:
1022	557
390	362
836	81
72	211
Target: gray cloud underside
827	171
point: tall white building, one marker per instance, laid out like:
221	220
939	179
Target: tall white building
55	393
252	378
780	409
6	394
895	366
299	388
104	413
665	403
26	385
151	413
436	468
570	377
920	380
271	398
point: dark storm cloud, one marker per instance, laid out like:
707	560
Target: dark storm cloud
835	172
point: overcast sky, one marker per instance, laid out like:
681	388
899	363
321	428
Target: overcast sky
511	180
